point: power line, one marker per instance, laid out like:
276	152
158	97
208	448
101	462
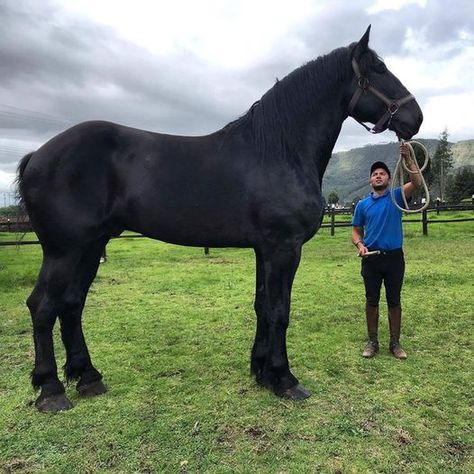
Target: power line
16	114
32	113
13	149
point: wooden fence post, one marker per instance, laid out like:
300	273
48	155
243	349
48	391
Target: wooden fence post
206	250
333	219
425	222
103	257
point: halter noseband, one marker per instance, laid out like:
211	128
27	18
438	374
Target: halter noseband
363	85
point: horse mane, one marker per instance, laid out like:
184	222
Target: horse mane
277	121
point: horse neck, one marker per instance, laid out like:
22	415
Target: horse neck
311	129
320	140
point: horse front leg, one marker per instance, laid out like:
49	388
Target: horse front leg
260	346
280	264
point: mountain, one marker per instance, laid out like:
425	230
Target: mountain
348	171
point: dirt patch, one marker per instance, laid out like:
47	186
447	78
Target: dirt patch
14	465
255	432
170	373
370	426
403	437
456	448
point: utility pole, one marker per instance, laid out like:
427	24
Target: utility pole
441	181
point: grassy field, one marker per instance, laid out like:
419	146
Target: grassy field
171	330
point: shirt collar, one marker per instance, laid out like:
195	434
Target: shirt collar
376	196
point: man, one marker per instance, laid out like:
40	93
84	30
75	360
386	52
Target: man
377	226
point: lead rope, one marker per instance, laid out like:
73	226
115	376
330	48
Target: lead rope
401	165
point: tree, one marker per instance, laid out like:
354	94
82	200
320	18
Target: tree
9	211
461	185
442	162
356	199
333	197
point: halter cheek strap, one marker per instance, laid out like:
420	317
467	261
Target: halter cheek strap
364	85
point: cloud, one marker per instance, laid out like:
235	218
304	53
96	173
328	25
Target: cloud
60	65
6	182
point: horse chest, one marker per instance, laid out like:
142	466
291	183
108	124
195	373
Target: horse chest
290	208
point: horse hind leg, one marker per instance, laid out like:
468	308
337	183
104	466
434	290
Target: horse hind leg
78	361
45	304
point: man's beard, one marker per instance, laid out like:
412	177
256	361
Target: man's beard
380	187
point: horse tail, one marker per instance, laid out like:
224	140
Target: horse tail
22	212
20	185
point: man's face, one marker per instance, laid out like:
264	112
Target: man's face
379	179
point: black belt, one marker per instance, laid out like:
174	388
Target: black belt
385	252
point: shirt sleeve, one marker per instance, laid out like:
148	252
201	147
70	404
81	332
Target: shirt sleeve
358	217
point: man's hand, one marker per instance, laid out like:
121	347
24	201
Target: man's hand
415	178
362	249
357	236
405	152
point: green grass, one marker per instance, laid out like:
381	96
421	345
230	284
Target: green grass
171	330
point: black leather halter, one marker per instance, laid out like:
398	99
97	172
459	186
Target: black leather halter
363	85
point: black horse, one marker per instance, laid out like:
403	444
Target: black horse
256	183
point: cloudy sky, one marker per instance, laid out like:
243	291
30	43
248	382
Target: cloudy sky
191	66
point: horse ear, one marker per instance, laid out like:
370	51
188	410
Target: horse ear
362	46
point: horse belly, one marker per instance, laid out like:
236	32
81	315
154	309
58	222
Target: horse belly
196	228
194	212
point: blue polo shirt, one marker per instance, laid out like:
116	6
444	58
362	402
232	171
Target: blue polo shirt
381	220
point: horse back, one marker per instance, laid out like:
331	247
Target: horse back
101	177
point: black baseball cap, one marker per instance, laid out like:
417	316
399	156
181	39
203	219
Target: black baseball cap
380	164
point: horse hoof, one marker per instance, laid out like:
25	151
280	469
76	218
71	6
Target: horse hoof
53	404
296	393
92	389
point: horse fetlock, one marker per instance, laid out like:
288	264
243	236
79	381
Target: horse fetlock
286	382
278	381
92	389
89	377
47	380
256	365
75	368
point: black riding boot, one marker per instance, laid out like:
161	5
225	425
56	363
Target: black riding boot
395	320
372	315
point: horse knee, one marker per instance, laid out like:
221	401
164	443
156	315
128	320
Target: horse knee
259	306
33	301
44	316
71	305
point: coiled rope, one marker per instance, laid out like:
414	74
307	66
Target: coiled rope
398	178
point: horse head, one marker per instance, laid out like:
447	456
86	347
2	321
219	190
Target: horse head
377	95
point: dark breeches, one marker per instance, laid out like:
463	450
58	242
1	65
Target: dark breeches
388	268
